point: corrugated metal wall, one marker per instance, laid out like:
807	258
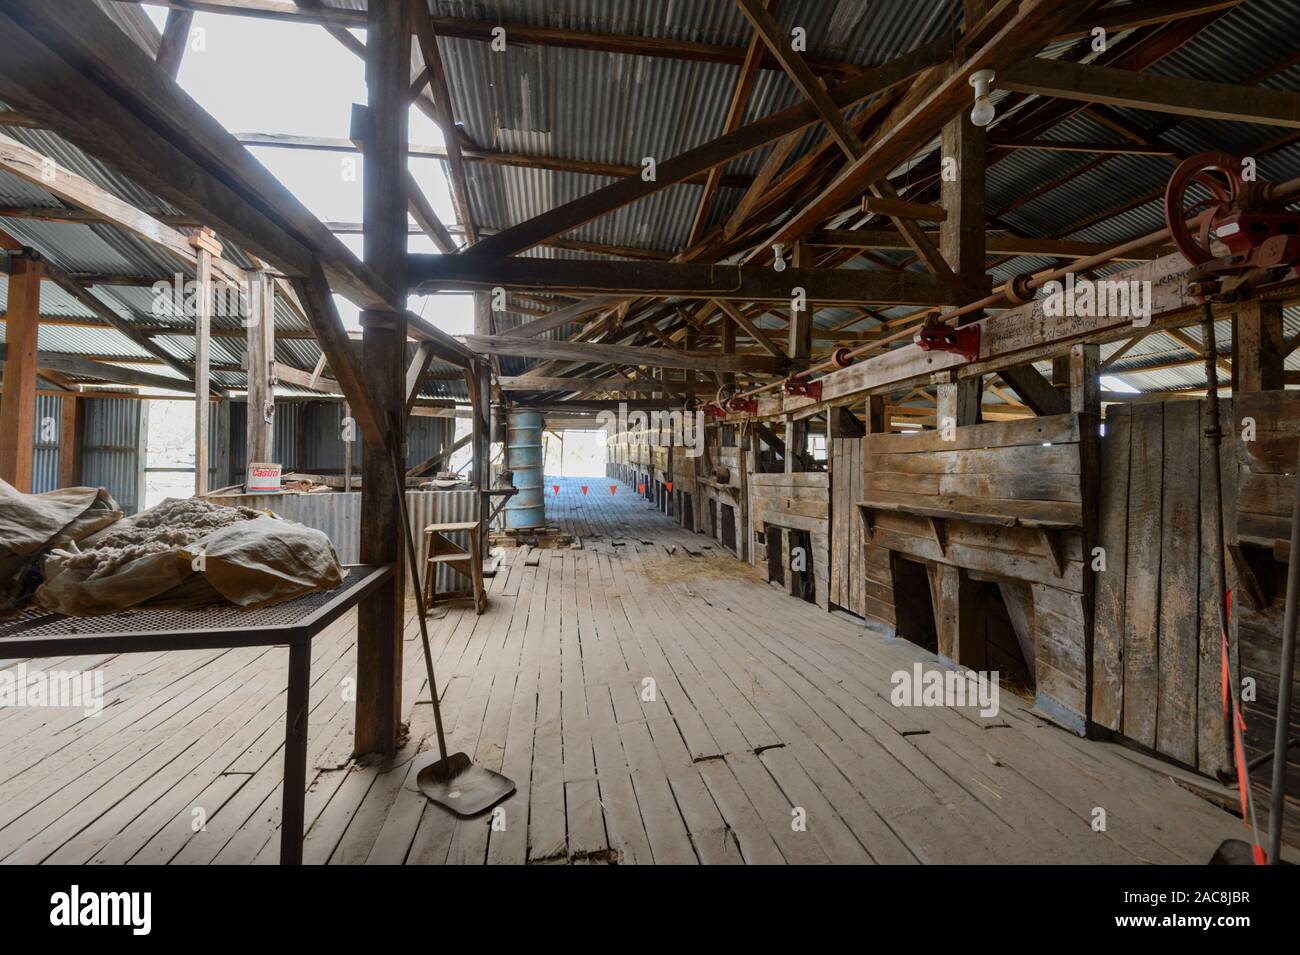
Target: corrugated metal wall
112	454
338	515
45	449
319	425
116	429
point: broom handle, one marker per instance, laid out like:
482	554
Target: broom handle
399	486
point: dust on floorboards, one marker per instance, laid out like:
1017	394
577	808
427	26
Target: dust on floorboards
654	700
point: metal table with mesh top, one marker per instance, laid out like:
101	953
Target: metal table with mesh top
39	633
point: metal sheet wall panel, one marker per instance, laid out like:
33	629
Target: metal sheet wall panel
45	448
112	449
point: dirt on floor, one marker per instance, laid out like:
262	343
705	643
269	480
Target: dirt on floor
682	567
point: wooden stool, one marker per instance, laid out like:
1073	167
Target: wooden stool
467	563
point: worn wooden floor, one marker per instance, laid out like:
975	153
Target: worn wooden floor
762	712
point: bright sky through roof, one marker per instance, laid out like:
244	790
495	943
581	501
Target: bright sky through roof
268	76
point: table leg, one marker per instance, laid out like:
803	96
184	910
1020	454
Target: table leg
293	807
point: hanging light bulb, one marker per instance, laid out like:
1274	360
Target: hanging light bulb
983	112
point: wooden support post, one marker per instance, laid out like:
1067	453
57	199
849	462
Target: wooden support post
220	453
202	335
259	430
958	401
383	343
1085	401
348	440
959	616
727	330
175	37
799	346
70	441
1061	371
962	237
961	233
1084	371
18	405
1258	347
798	350
478	382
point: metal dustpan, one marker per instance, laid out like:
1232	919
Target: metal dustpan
459	786
453	782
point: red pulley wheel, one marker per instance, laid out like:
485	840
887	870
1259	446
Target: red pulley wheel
1224	189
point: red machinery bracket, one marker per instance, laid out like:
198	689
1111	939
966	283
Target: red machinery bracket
802	387
743	405
714	411
937	336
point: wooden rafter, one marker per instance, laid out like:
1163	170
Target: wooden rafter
1166	94
840	130
491	157
735	113
428	43
928	107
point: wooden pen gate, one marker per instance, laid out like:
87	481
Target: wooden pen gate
1156	645
861	579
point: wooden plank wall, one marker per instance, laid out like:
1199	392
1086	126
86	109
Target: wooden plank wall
801	501
1265	472
1156	643
1027	470
730	492
862	580
686	492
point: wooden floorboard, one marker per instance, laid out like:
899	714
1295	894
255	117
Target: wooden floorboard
654	701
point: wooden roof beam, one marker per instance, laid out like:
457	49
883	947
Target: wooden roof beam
1146	13
44	173
997	244
1147	91
314	12
623	354
662	279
